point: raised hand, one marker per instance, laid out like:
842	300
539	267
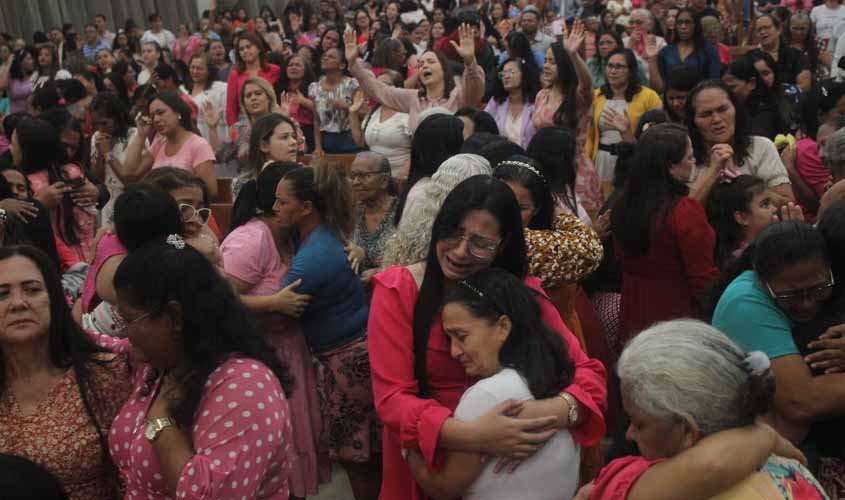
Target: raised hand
211	114
143	124
287	98
575	37
651	49
357	101
466	49
790	211
351	43
104	144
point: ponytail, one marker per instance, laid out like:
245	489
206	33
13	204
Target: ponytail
258	195
328	189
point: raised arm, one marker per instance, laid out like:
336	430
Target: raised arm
392	97
574	40
472	80
138	159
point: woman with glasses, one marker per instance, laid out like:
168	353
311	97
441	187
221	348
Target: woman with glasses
791	64
662	238
418	383
512	102
617	108
689	48
142	213
606	43
781	282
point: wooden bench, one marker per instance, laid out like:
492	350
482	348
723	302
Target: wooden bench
342	160
224	190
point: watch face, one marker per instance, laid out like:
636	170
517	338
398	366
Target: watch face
150	433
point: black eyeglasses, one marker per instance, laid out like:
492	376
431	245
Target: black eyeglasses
816	293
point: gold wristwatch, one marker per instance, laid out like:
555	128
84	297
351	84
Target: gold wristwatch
156	425
574	415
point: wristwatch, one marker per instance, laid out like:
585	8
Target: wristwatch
156	425
574	415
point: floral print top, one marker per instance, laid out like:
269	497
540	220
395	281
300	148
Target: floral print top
567	253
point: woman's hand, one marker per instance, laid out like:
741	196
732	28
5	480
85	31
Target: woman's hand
318	153
585	492
784	448
210	113
466	49
830	351
720	156
619	121
52	195
651	49
104	144
144	125
575	37
23	210
85	195
351	43
790	211
290	303
501	434
602	225
285	103
397	32
357	101
356	256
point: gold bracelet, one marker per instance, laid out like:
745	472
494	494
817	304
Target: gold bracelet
573	408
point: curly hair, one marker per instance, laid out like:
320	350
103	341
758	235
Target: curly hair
409	244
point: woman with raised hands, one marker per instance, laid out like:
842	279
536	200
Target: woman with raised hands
438	87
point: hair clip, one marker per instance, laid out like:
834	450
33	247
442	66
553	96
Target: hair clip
522	164
176	241
756	363
472	288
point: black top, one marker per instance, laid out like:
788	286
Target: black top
790	63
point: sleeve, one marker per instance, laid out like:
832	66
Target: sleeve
242	255
315	266
567	253
589	386
416	420
697	241
837	56
202	152
232	98
769	167
811	168
616	478
398	99
243	417
475	402
472	86
662	61
113	344
714	64
750	319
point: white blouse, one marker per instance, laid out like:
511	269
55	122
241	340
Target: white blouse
391	138
217	95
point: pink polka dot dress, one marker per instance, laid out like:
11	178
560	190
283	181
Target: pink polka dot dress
241	436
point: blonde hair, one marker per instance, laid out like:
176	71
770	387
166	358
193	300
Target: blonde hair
409	244
263	85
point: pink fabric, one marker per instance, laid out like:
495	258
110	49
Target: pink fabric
192	46
412	422
84	221
810	167
236	82
108	247
617	477
194	152
250	255
241	435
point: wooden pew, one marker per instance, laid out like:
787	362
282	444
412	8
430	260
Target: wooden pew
340	160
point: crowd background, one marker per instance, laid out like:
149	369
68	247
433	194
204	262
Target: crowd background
480	249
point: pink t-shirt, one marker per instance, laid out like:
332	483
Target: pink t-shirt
195	151
108	246
250	255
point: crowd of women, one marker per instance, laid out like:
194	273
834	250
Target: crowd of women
484	250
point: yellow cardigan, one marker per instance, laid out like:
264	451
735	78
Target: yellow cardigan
643	101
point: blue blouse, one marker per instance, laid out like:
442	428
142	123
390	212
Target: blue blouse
705	59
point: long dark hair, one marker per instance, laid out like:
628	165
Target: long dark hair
16	69
111	106
216	323
42	150
258	195
211	68
69	347
437	138
633	86
261	131
555	148
283	83
741	142
811	48
327	188
697	32
533	349
255	40
780	245
530	80
565	114
724	201
650	191
528	173
480	192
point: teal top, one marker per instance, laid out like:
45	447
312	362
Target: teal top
751	318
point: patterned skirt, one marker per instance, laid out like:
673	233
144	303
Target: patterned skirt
346	402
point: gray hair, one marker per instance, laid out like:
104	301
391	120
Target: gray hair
645	15
409	244
689	370
834	153
377	159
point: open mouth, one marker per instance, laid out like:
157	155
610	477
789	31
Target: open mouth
426	73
